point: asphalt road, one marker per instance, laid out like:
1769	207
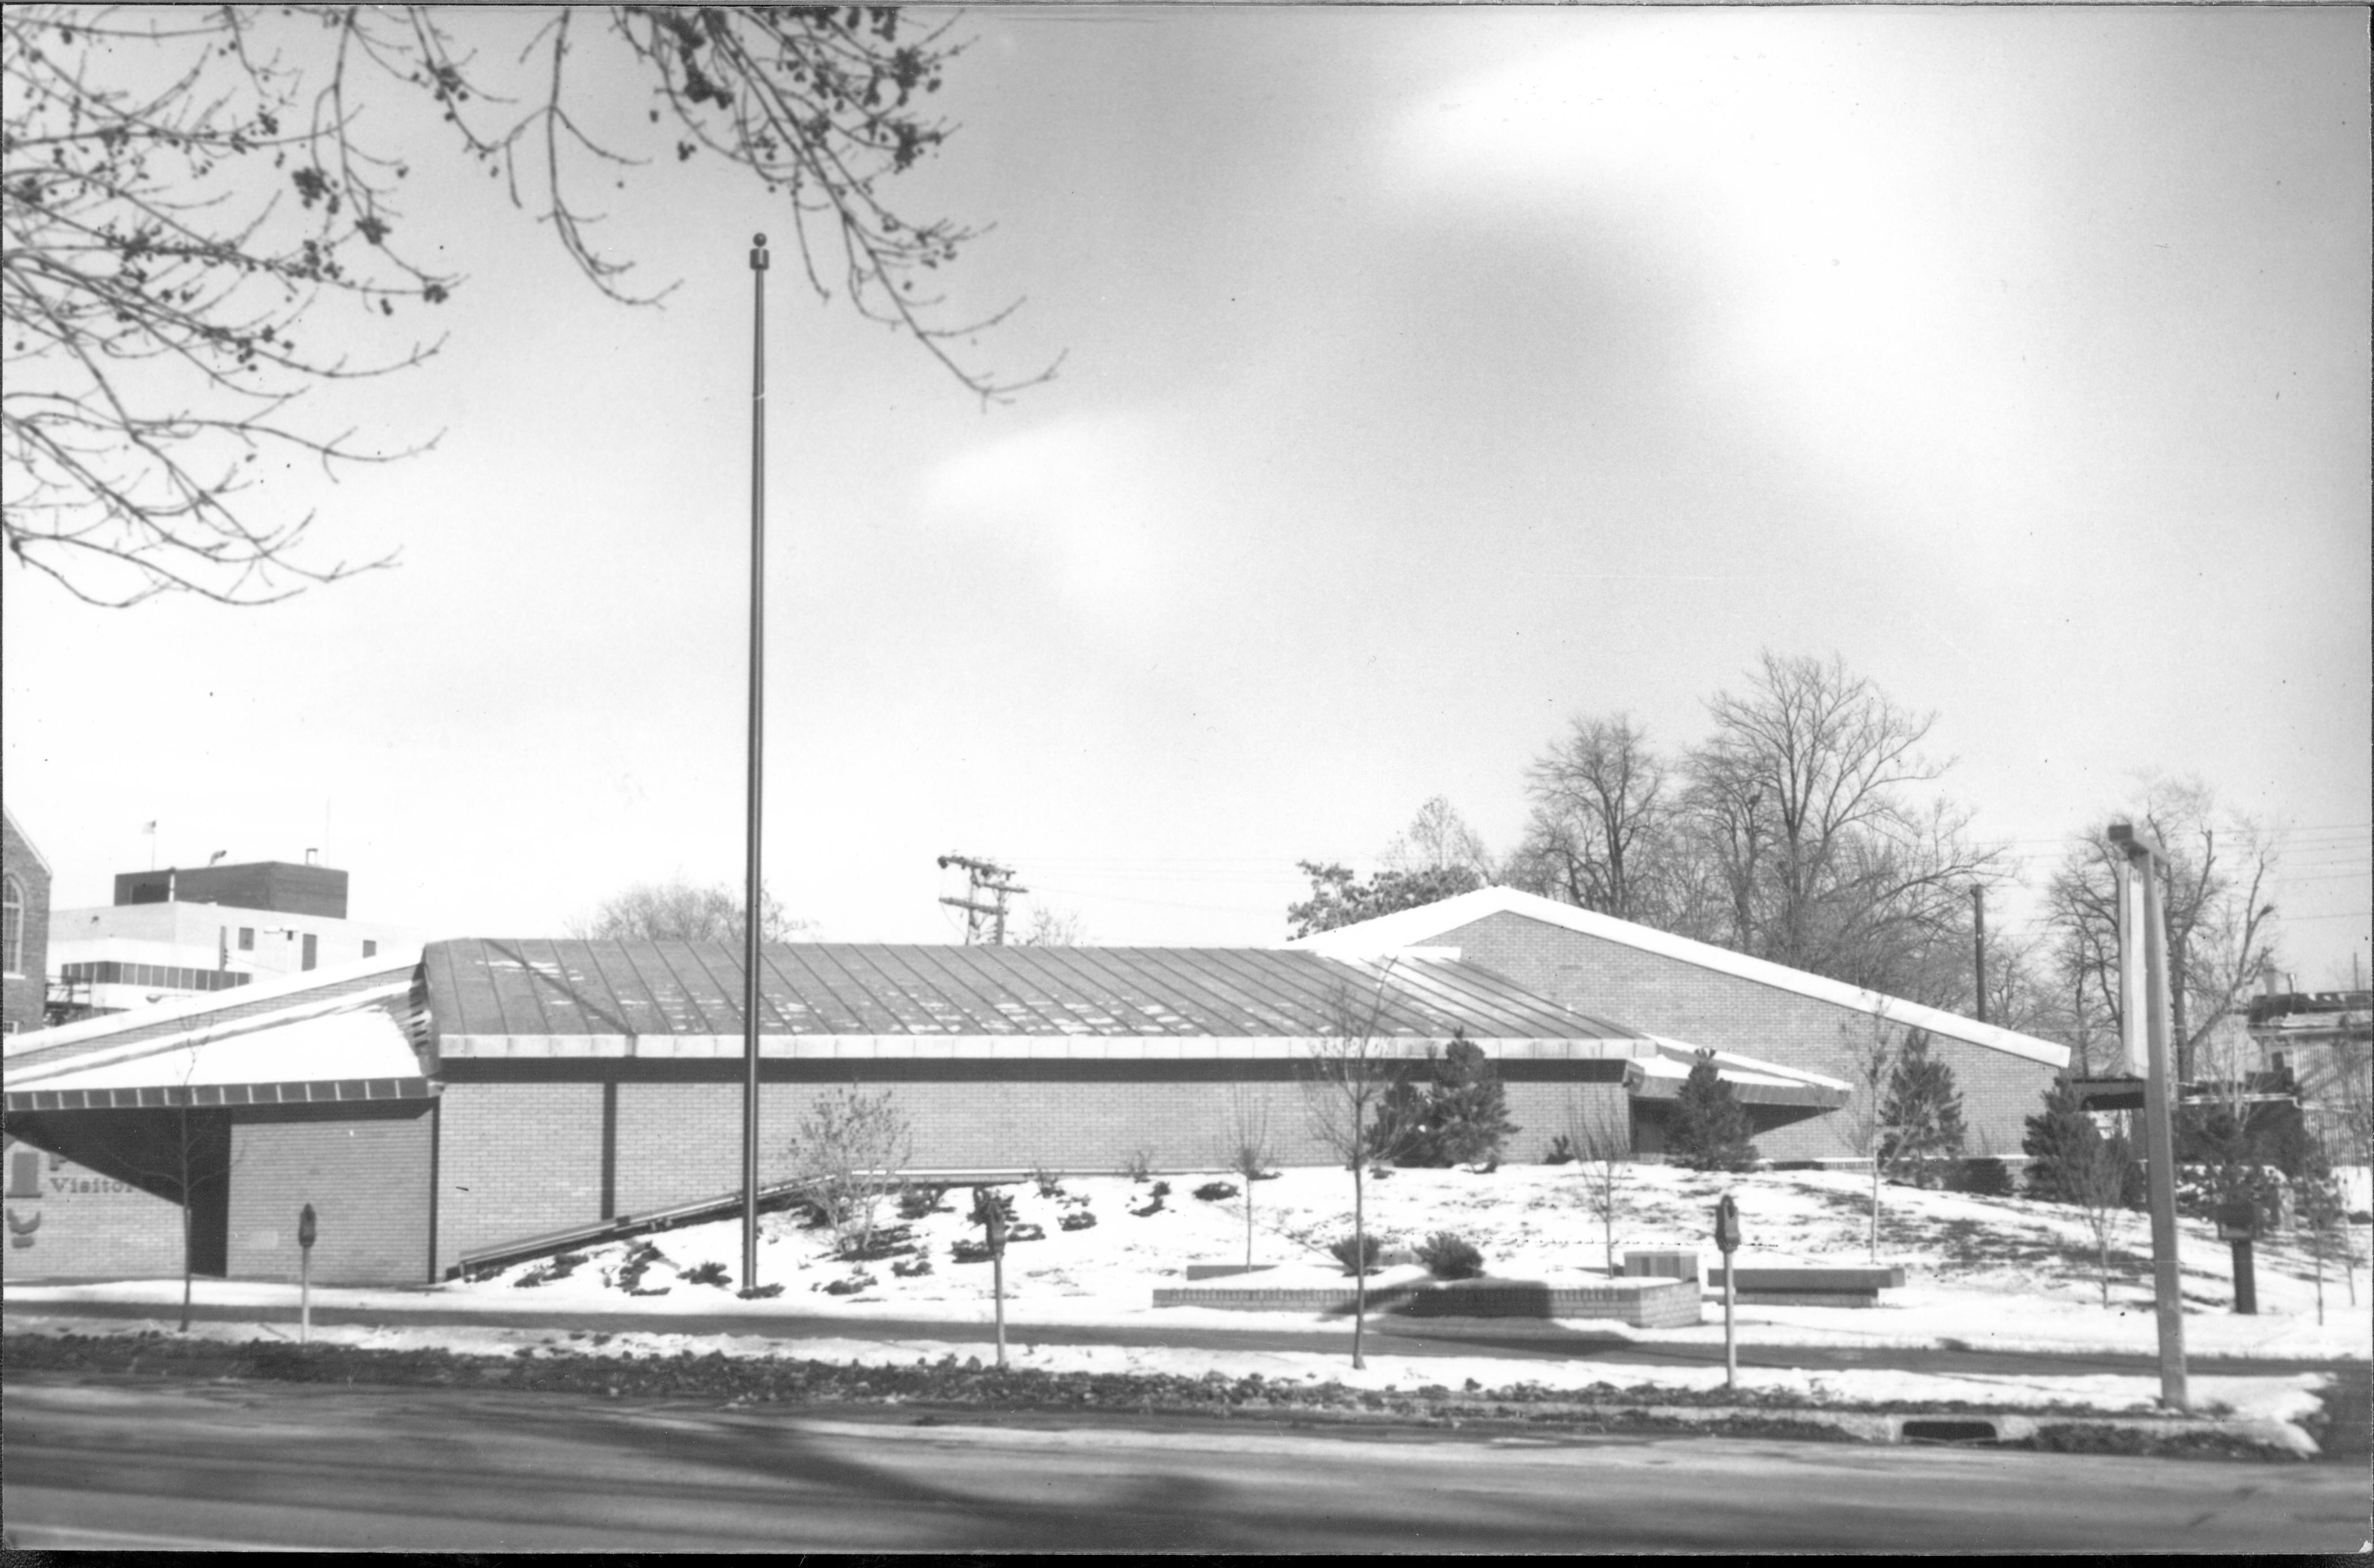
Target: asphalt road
93	1462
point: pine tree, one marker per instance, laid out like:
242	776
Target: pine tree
2056	1142
1709	1129
1458	1113
1471	1108
1923	1111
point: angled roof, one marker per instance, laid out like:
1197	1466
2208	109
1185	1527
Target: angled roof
353	1036
183	1015
502	997
1407	931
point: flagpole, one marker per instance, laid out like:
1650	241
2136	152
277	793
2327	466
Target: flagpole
751	908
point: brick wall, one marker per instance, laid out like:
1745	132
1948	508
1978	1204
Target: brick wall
67	1222
1704	1007
519	1159
24	990
366	1178
515	1160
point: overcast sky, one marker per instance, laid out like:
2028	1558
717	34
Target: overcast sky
1432	375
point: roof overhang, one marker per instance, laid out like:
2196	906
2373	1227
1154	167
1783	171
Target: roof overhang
350	1048
1752	1082
1002	1047
1424	927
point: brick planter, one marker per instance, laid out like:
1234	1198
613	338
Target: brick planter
1809	1287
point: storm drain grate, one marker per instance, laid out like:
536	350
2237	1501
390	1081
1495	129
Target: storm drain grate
1949	1430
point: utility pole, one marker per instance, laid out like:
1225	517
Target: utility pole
751	906
982	876
2143	954
1979	930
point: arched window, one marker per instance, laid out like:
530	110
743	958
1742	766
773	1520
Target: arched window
12	925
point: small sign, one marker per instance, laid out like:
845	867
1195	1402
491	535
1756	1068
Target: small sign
1726	1225
2238	1219
305	1227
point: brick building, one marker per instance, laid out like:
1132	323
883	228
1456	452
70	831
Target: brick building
504	1093
24	928
502	1096
1671	986
244	1105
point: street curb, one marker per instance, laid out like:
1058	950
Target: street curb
1879	1427
1995	1427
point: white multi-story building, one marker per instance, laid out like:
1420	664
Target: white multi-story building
181	932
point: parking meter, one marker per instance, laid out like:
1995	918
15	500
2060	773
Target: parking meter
1727	1238
305	1229
992	1210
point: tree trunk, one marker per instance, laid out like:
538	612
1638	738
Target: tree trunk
1249	1223
1359	1266
1875	1206
2102	1261
185	1259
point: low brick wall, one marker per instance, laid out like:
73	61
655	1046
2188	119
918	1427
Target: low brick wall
1643	1304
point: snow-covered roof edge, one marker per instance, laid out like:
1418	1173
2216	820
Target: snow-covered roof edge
1429	923
290	986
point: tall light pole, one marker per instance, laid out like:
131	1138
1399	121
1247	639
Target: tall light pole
2143	952
750	905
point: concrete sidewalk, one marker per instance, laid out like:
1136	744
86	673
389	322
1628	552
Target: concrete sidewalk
1386	1335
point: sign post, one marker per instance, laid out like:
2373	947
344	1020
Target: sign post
2142	956
2238	1222
993	1215
1726	1239
305	1274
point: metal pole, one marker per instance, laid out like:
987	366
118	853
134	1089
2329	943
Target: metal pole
305	1296
750	905
1729	1339
997	1285
1979	932
2159	1132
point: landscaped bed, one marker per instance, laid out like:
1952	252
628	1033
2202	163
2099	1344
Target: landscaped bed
1988	1274
972	1387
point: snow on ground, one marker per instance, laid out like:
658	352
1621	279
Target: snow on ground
1989	1273
2285	1397
2005	1274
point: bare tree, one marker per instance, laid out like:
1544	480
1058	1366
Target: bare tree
846	1154
1802	803
1599	822
1350	1071
1053	928
1439	839
204	219
2213	894
1872	1048
677	910
1601	1135
1246	1149
2097	1180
